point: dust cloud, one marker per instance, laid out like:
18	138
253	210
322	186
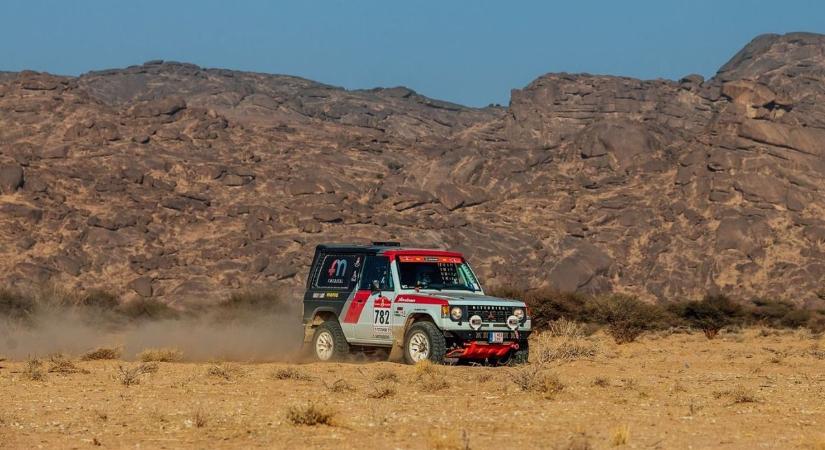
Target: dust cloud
239	334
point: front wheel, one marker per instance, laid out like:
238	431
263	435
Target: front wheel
329	342
424	341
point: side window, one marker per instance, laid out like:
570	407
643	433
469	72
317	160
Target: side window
338	271
377	268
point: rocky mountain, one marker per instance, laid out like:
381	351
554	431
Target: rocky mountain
178	182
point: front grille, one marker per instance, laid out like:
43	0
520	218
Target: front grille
490	313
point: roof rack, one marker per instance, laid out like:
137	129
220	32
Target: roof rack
386	244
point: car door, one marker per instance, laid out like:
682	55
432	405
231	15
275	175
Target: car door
374	324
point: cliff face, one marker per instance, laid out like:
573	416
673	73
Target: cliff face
178	182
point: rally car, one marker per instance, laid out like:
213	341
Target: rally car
417	304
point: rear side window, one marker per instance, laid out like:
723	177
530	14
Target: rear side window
377	268
338	271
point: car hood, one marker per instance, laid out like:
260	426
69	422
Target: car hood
470	298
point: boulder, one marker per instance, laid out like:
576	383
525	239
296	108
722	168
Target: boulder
11	178
142	286
579	267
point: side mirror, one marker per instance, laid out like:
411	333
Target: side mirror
376	286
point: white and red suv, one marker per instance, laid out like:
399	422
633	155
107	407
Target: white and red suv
424	304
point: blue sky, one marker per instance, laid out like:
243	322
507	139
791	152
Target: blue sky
470	52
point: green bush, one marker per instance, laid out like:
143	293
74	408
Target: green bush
16	305
711	314
626	317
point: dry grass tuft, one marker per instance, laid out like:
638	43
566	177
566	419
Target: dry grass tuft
567	328
621	436
548	348
739	394
290	373
601	382
160	355
102	353
33	370
60	364
425	367
129	376
199	419
382	391
226	371
339	386
386	375
533	379
310	414
448	441
430	377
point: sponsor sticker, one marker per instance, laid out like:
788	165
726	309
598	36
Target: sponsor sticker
381	317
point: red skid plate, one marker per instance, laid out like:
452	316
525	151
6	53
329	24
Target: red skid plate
481	350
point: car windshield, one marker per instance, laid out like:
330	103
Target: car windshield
436	272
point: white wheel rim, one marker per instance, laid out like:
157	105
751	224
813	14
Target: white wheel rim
419	347
324	346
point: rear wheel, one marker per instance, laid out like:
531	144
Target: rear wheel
424	341
329	342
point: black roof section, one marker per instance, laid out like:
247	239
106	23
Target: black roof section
375	247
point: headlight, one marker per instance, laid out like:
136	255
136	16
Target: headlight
519	313
513	322
455	313
475	322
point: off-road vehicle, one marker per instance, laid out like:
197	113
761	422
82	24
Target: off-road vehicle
416	304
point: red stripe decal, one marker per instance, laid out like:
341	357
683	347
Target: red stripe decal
357	305
420	300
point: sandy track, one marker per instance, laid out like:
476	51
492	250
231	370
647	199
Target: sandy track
746	390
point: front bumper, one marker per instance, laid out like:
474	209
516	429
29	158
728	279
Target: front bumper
479	350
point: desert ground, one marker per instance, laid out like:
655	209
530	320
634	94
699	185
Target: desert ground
752	388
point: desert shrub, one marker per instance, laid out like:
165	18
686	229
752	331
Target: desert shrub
769	312
621	435
226	371
533	379
711	314
101	353
430	377
548	305
626	317
16	305
601	382
547	348
129	376
147	309
386	375
796	318
199	419
290	373
739	394
382	391
59	363
33	370
310	414
160	355
567	328
339	386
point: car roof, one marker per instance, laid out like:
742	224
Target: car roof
388	249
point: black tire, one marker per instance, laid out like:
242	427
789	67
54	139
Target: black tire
437	346
340	347
519	357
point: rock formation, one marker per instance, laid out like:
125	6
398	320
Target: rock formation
172	181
